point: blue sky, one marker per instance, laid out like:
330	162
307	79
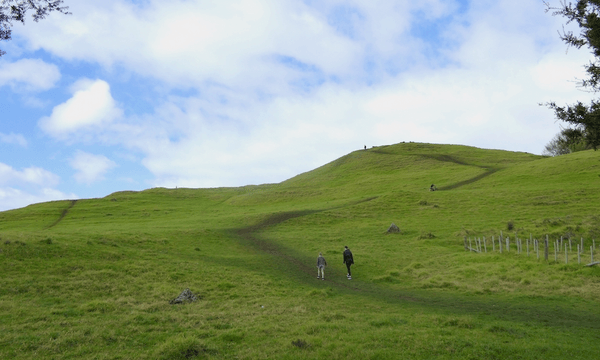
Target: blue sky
129	95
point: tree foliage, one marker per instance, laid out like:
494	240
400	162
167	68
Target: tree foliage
568	141
16	11
586	118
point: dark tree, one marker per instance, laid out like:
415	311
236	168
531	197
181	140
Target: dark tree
586	118
568	141
15	10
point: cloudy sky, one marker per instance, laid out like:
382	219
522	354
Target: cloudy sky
134	94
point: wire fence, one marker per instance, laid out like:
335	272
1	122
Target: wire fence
562	248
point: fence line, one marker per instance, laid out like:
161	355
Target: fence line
479	245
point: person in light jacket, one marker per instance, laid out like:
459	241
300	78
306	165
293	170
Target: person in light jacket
348	260
321	263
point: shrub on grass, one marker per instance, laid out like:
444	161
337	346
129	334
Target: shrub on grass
301	344
181	347
510	226
426	235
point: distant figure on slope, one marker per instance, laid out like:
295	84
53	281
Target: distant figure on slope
365	147
321	263
348	260
432	188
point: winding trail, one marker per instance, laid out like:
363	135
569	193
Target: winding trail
547	312
447	158
489	170
64	213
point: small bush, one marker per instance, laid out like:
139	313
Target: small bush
428	235
181	347
510	226
301	344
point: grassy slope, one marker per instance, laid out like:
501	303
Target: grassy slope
92	278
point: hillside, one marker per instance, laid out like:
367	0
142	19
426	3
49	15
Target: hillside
92	278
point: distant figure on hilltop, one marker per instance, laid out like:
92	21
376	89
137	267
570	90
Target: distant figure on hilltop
432	188
321	263
348	260
365	147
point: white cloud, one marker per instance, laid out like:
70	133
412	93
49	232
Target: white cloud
11	198
32	175
241	43
13	138
372	81
91	106
31	74
90	168
30	185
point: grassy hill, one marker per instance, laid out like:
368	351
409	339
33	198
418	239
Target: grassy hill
93	278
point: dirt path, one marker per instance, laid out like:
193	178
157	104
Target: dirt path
251	237
64	213
547	312
447	158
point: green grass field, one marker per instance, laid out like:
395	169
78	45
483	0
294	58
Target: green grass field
93	278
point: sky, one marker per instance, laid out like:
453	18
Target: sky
135	94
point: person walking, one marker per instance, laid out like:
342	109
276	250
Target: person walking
348	260
321	263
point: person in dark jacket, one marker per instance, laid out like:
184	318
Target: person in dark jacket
321	263
348	260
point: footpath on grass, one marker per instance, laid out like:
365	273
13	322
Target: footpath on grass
541	311
63	214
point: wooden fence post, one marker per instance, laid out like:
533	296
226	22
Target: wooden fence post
570	247
546	249
581	248
561	242
484	244
520	246
500	242
592	253
508	244
555	250
537	247
493	244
